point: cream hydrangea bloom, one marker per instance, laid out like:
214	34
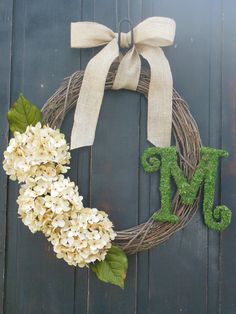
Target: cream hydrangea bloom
40	151
51	203
83	239
45	205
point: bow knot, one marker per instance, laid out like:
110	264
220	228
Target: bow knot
146	40
124	39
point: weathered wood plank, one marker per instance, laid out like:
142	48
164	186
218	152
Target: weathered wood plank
115	157
214	140
144	214
6	12
135	10
178	268
228	173
114	170
37	282
83	174
11	302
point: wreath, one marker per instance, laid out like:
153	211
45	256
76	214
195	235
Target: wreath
49	202
38	157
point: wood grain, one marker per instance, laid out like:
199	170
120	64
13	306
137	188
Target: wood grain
228	173
6	12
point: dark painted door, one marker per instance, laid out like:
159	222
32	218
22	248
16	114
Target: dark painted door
195	271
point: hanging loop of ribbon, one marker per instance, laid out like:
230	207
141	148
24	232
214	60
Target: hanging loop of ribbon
146	40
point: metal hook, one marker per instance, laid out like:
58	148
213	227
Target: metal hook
131	30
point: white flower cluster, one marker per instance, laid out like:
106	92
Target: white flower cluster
44	203
84	239
51	203
39	145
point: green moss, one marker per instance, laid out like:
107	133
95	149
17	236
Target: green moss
220	218
151	164
205	173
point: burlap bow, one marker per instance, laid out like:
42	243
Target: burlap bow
149	36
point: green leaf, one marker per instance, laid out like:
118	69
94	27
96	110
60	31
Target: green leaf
22	114
113	269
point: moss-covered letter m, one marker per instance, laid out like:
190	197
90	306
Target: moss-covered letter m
205	173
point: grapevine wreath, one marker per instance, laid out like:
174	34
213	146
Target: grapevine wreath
38	157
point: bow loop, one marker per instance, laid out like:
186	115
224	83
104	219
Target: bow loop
155	32
90	34
146	40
